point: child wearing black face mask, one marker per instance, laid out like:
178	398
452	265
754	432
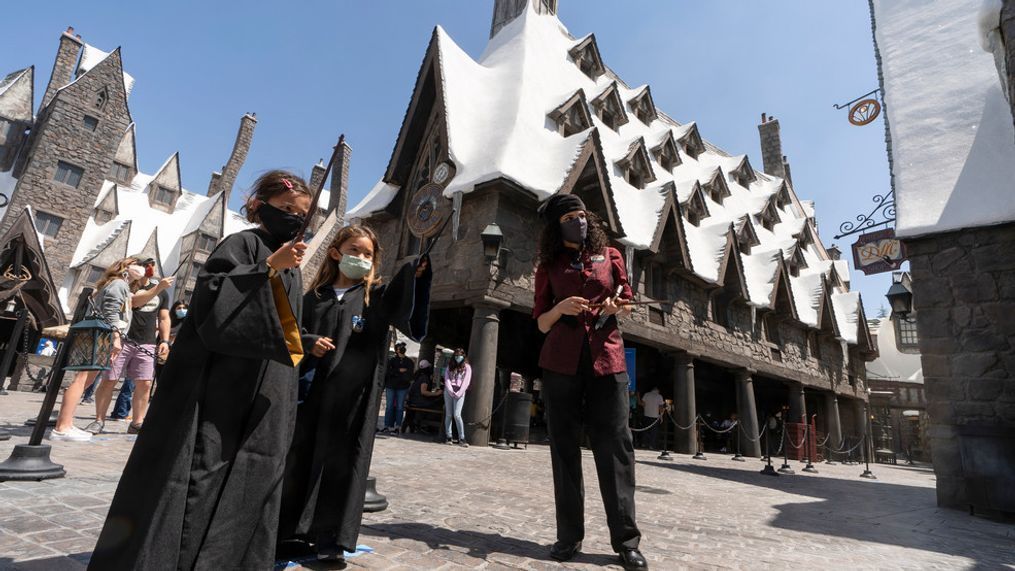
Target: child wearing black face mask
216	435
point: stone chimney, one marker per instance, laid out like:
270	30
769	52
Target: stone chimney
504	11
63	67
317	176
773	161
339	198
227	178
834	252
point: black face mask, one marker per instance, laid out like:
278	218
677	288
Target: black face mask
574	230
282	225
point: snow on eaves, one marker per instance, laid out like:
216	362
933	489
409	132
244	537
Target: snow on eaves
846	307
497	109
91	56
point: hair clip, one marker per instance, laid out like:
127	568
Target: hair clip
287	184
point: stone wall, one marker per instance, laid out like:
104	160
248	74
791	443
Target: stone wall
964	297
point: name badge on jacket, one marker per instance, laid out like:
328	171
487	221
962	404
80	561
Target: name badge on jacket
358	323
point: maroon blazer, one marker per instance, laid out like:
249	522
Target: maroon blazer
596	281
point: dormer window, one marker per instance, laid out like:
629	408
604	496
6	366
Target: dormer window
586	57
769	217
782	199
743	175
692	143
572	116
696	210
164	195
636	166
797	262
666	152
643	106
747	238
205	242
610	108
120	172
717	188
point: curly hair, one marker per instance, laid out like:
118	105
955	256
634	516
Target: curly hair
551	243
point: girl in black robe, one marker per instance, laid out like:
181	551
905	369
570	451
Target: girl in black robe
202	487
346	335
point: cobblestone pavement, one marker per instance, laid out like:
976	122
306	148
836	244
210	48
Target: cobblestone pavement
455	508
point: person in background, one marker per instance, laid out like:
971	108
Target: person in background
177	313
728	425
112	302
147	339
422	394
397	380
457	376
653	405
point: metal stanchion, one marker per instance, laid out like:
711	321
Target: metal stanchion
868	449
737	457
808	440
665	454
700	455
828	454
768	470
785	468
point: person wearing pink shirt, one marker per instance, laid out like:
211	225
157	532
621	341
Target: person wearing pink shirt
456	381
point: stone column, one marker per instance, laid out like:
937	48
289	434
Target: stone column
834	424
797	404
483	358
748	413
860	413
685	410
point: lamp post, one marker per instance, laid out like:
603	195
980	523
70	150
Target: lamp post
83	349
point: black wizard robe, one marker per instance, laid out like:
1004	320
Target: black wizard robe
203	484
328	464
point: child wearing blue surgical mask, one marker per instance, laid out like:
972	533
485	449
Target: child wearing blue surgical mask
347	319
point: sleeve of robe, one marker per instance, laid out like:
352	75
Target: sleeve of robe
406	300
233	307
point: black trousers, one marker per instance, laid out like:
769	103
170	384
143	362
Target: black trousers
601	405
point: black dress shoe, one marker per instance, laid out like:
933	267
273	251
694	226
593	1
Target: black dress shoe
565	551
632	559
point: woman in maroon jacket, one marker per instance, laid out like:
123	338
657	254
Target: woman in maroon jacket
580	283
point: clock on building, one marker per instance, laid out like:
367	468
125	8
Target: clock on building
427	210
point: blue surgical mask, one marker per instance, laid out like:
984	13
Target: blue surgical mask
181	313
459	359
355	268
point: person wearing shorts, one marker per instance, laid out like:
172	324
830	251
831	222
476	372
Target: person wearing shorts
147	339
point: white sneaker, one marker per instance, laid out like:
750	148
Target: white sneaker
74	434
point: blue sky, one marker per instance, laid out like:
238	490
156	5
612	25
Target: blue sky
313	69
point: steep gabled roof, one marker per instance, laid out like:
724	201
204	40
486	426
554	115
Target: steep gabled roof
17	95
590	162
671	228
731	269
643	107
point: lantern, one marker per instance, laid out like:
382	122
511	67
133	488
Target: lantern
91	345
900	298
492	238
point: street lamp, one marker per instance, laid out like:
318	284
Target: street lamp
492	239
900	297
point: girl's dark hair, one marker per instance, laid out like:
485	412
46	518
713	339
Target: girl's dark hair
173	320
269	185
454	365
551	243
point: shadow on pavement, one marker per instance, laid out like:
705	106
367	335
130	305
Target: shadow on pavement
76	562
477	544
877	512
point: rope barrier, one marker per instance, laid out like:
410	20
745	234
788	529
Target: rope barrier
688	427
718	431
782	440
643	429
844	451
748	437
795	446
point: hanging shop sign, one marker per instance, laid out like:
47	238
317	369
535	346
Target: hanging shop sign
878	252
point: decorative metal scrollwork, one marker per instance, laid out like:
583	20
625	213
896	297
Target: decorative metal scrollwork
4	200
862	110
882	215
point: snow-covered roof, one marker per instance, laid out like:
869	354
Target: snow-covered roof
137	217
16	91
498	112
892	364
7	184
952	139
91	56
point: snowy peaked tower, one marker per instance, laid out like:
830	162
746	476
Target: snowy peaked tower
504	11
